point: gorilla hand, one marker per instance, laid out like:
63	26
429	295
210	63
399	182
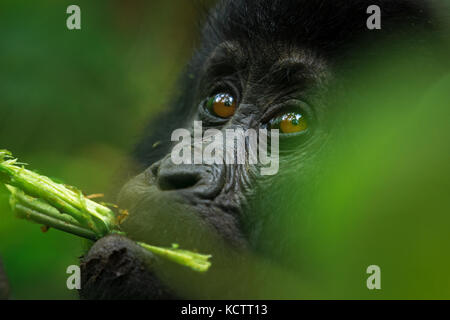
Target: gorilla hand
117	268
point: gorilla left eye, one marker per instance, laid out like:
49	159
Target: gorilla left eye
290	122
222	105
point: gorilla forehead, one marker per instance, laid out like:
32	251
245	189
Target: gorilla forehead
286	66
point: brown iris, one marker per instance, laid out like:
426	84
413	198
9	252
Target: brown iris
291	122
222	105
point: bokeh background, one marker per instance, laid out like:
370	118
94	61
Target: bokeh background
72	103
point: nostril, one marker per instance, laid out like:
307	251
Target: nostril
177	180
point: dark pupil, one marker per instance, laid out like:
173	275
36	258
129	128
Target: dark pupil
294	122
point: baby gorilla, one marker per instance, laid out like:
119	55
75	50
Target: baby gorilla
261	64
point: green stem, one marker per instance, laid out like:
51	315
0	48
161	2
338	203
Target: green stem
196	261
88	213
24	212
39	199
38	205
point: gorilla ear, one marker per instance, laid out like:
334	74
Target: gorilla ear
4	286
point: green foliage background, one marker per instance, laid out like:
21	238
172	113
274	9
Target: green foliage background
72	103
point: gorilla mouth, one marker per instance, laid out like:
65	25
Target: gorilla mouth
184	216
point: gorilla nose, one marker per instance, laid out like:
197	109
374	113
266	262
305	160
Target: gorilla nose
204	180
173	178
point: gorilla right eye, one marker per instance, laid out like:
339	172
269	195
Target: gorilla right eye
222	105
289	123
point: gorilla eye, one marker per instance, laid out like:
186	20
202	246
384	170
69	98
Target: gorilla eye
290	122
222	105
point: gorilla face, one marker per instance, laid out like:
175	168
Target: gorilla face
273	91
261	64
